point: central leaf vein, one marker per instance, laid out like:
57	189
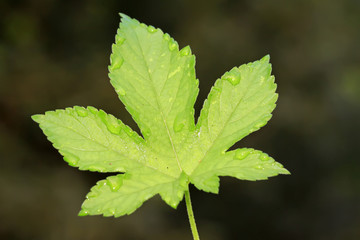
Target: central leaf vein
157	101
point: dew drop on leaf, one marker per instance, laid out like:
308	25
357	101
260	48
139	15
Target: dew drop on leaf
264	157
81	111
242	153
92	110
112	124
83	213
96	169
116	62
173	45
151	29
120	91
179	194
166	37
114	182
71	159
185	51
232	78
109	212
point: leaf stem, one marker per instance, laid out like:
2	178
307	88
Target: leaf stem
191	216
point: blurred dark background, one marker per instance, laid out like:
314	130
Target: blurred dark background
55	53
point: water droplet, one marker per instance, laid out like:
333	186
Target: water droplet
81	111
179	194
115	62
92	110
173	45
232	78
120	91
259	167
99	184
114	183
112	124
151	29
116	65
166	37
70	158
264	157
102	115
96	169
109	212
185	51
83	213
242	153
119	39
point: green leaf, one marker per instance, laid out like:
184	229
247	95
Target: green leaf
240	102
244	164
124	193
157	84
92	140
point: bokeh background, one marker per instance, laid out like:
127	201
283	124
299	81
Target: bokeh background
55	53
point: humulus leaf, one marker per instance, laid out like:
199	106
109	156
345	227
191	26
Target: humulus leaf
92	140
157	84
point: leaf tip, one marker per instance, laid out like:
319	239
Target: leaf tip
285	171
266	58
127	21
280	168
83	213
123	16
37	117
